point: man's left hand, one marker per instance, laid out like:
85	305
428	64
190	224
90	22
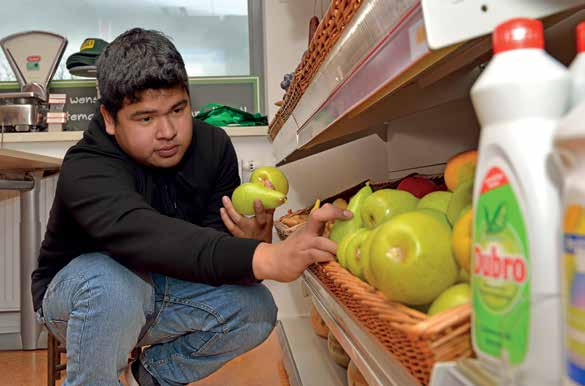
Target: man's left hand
258	227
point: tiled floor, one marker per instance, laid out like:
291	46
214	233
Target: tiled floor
262	366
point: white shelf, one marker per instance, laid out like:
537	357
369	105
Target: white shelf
378	367
456	21
57	136
74	136
246	131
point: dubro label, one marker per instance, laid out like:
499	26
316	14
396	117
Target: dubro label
501	271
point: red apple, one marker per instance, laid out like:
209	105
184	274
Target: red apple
418	186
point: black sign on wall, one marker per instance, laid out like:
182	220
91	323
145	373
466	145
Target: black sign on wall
239	92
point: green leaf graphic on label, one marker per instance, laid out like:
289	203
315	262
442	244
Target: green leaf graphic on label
499	220
486	215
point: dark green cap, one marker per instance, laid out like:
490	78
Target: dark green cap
90	50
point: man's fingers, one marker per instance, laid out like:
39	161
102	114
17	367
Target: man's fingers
260	212
324	244
327	212
229	224
269	185
234	215
319	256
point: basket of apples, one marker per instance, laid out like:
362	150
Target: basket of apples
403	262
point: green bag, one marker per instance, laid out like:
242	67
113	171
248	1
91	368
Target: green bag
220	115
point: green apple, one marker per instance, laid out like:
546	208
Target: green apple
365	255
435	200
410	258
383	204
342	228
436	214
272	174
342	247
244	196
452	297
462	198
353	253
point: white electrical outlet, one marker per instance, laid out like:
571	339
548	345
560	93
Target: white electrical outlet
250	165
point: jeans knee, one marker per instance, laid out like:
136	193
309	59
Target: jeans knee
262	313
270	310
112	291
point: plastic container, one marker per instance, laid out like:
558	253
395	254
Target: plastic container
570	148
577	68
519	99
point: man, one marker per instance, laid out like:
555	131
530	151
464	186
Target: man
137	252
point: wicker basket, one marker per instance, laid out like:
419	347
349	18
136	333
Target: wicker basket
284	230
338	16
416	340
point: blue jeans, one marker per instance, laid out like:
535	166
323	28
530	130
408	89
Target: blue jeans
102	310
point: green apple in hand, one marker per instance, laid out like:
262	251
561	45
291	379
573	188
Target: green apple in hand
244	196
410	258
272	174
452	297
383	204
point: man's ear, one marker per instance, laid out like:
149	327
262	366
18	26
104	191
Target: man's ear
109	120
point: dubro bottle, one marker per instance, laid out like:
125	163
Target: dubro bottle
518	99
570	149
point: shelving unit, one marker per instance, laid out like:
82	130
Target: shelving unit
71	136
393	76
377	366
399	76
307	361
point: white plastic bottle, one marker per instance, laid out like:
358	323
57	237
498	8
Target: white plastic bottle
577	68
570	147
519	100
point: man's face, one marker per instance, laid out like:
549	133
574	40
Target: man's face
155	131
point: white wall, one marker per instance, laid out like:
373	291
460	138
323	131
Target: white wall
286	36
425	141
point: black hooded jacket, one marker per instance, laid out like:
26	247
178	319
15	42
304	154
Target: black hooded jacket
157	220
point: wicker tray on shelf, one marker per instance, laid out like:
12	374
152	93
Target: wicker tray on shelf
338	16
416	340
293	221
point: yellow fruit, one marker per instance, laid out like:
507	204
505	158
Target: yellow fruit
340	203
460	168
316	206
462	240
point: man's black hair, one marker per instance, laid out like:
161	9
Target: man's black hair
135	61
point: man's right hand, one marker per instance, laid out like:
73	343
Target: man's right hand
287	260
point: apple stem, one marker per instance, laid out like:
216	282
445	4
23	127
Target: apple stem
396	254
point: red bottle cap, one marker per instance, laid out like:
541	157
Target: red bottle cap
581	37
518	33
